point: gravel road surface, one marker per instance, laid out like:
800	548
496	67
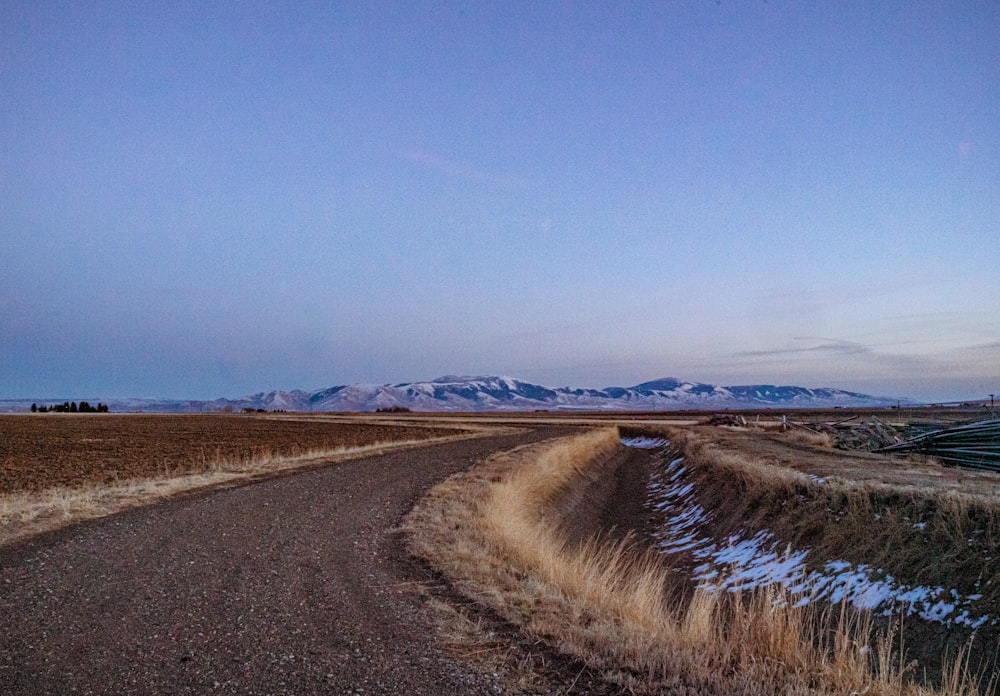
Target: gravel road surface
293	585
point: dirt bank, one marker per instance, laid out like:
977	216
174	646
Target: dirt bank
607	499
924	537
498	533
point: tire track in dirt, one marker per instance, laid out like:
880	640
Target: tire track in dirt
292	585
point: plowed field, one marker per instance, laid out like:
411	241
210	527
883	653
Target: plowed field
39	452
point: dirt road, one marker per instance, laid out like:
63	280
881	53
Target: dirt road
294	585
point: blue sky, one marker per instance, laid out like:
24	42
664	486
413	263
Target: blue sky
202	200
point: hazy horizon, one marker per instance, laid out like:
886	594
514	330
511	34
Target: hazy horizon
43	400
212	201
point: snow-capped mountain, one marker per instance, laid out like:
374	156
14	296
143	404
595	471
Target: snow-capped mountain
454	393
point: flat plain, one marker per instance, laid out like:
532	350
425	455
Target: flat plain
43	451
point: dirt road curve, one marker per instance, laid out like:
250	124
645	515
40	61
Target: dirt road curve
295	585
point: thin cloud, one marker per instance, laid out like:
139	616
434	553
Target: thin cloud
829	346
985	354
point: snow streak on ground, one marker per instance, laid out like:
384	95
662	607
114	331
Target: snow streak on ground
644	442
746	561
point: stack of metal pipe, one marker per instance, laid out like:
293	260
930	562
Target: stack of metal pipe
974	445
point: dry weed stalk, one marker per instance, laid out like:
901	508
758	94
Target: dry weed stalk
491	530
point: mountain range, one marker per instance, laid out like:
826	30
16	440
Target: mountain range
454	393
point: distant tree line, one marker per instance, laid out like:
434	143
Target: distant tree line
70	407
392	409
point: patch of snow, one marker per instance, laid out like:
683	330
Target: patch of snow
748	561
644	442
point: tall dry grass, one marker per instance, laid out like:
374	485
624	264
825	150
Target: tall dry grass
896	525
492	531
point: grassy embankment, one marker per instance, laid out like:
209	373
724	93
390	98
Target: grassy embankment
495	531
932	526
927	525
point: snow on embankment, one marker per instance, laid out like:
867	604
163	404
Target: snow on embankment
750	558
495	533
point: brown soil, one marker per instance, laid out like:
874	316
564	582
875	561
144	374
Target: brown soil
47	450
291	585
610	501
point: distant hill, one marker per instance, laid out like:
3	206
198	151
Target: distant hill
453	393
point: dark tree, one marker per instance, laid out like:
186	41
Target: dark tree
71	407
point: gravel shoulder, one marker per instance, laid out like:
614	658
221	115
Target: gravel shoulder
293	585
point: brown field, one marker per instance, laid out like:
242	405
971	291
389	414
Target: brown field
46	451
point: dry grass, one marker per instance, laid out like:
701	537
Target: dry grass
899	514
40	451
809	437
492	532
26	513
495	648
